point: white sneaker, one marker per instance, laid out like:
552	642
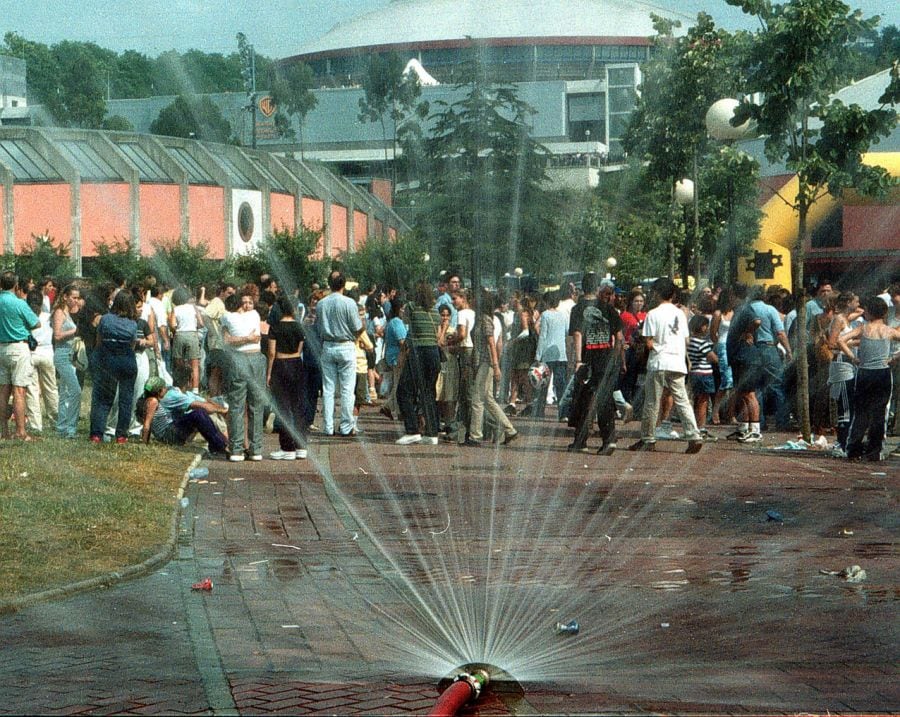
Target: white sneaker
256	457
838	452
283	455
667	433
236	457
430	440
751	437
409	439
301	453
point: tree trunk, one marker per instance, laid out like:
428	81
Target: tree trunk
801	355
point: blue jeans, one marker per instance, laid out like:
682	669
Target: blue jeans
559	370
773	371
338	363
415	393
245	388
69	392
112	371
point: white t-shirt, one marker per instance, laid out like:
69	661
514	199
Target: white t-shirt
156	306
466	318
668	327
44	336
241	324
185	317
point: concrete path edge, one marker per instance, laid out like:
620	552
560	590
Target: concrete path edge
129	572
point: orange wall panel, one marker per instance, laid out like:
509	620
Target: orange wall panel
339	237
206	209
314	218
105	215
281	211
360	229
872	226
382	189
392	234
160	215
40	208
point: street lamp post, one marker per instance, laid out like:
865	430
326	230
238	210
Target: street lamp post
718	124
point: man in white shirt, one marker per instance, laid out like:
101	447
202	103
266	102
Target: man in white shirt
666	333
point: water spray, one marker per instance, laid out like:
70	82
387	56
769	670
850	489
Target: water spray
465	688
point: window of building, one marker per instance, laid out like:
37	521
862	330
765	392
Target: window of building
586	114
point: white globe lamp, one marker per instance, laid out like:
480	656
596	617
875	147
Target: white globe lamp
684	191
518	271
611	263
718	121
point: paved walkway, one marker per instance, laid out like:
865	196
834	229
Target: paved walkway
352	582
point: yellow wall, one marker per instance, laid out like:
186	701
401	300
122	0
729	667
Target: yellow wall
780	223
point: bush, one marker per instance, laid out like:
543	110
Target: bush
116	260
187	265
399	263
286	256
45	257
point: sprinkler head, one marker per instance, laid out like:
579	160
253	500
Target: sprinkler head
568	628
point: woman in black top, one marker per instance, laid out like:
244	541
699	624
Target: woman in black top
285	378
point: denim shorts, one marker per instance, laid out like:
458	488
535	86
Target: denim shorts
702	383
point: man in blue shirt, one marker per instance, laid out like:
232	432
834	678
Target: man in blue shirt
16	372
769	334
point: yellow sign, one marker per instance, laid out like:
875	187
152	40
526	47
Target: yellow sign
267	106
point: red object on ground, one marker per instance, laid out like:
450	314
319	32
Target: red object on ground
205	584
452	700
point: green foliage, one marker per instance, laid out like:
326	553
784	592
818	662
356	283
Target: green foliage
116	259
117	123
484	207
43	257
399	263
191	116
189	265
290	88
286	255
390	96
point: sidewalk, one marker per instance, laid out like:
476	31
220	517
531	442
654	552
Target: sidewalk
352	582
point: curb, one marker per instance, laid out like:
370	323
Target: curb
117	576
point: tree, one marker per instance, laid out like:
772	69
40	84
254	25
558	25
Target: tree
287	256
82	83
43	257
483	202
179	264
795	61
390	95
194	117
290	89
117	259
667	131
117	123
399	263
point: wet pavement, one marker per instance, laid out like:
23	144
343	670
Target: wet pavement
352	582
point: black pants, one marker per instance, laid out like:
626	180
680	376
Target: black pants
288	388
870	399
415	392
595	383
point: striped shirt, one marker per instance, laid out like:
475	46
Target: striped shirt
423	325
698	350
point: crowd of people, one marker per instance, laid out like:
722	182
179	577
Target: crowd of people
451	362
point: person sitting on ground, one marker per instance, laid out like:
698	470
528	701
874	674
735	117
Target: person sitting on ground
173	416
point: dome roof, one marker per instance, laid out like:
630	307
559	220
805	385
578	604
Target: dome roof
411	22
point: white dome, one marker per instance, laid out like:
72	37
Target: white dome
405	22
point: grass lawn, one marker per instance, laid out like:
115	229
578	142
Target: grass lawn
70	509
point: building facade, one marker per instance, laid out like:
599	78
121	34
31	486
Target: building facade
86	188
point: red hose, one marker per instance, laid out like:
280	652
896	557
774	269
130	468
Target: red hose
452	700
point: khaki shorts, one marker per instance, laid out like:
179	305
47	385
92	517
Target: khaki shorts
186	346
15	365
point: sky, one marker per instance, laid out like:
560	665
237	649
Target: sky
277	28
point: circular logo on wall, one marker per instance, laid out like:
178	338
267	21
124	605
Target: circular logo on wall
245	222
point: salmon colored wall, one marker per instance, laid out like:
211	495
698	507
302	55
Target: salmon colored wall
314	218
339	239
105	215
160	214
206	209
39	208
381	188
281	211
360	228
392	234
872	226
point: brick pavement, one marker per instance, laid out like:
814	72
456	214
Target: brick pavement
349	583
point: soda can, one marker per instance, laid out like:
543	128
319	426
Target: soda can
567	628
